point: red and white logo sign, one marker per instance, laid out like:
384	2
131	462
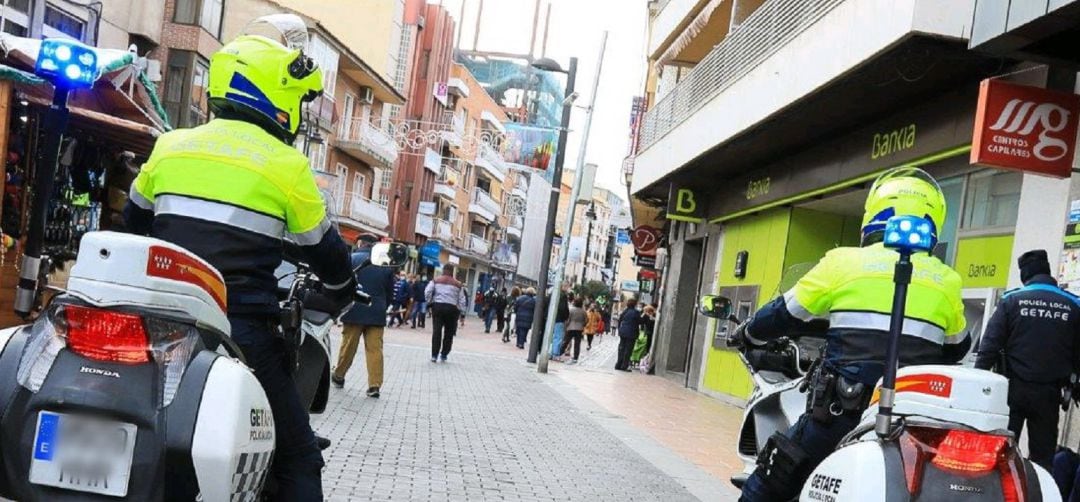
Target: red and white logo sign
1025	128
645	240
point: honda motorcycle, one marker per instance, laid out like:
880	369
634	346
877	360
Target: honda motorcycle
931	433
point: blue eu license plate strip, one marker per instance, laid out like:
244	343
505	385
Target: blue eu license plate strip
45	445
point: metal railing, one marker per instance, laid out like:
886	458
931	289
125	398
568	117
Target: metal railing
517	222
444	231
769	28
365	210
370	137
486	201
479	245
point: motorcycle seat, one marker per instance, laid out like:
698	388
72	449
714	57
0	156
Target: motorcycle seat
316	317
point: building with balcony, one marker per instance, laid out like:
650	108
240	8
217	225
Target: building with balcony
349	140
769	119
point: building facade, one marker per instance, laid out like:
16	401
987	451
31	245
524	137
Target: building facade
754	94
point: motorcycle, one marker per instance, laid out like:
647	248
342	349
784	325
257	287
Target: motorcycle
932	432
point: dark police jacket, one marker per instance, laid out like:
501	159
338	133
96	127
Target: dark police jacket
1037	326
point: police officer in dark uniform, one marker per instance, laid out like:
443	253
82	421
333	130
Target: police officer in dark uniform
1031	339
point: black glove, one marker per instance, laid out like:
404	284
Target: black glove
737	338
332	301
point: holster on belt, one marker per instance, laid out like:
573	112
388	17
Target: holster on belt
832	395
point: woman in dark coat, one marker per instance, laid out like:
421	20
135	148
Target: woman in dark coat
524	307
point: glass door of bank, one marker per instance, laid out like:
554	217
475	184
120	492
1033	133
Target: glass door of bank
979	304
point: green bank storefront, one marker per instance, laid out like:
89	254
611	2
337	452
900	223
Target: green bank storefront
777	221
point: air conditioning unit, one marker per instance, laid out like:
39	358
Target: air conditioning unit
367	95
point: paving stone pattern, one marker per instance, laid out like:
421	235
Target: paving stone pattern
477	428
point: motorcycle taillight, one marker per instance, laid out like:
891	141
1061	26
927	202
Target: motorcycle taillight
108	336
961	453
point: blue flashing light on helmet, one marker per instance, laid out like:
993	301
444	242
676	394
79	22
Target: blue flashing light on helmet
909	234
67	63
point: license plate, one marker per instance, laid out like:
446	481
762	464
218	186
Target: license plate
82	453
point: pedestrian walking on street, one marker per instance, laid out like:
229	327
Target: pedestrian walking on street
524	308
561	315
1031	339
500	310
399	301
418	311
367	321
448	303
592	325
629	325
488	308
514	294
575	328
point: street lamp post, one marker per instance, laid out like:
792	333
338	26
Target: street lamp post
560	267
591	216
546	64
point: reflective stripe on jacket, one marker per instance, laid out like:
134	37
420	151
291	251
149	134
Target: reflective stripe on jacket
230	193
853	289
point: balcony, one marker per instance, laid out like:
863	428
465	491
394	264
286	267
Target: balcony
456	134
444	232
490	160
505	257
365	214
784	54
479	245
447	190
367	142
684	30
515	226
484	205
425	225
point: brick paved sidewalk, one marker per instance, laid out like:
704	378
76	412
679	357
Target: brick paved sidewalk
476	428
701	429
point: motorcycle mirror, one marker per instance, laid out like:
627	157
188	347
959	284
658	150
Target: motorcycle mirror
389	254
714	306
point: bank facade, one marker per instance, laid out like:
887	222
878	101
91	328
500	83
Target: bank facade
774	194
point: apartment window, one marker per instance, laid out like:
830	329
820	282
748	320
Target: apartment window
348	109
63	22
383	197
992	199
15	29
317	156
342	172
205	13
185	88
359	181
327	59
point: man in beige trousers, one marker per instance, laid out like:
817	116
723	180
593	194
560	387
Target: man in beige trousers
367	321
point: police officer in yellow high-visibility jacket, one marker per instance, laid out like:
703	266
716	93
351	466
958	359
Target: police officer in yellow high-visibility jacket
852	288
230	191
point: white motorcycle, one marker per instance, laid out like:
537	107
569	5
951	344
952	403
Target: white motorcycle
931	433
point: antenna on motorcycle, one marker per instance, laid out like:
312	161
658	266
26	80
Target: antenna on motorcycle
905	235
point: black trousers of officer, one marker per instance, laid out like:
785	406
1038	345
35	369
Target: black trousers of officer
1036	404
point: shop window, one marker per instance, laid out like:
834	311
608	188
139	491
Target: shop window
63	22
185	89
953	189
992	200
205	13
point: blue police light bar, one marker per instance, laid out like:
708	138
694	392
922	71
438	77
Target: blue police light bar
909	233
66	63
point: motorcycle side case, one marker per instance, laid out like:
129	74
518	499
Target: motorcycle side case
871	471
233	439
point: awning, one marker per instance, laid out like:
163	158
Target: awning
687	36
139	138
